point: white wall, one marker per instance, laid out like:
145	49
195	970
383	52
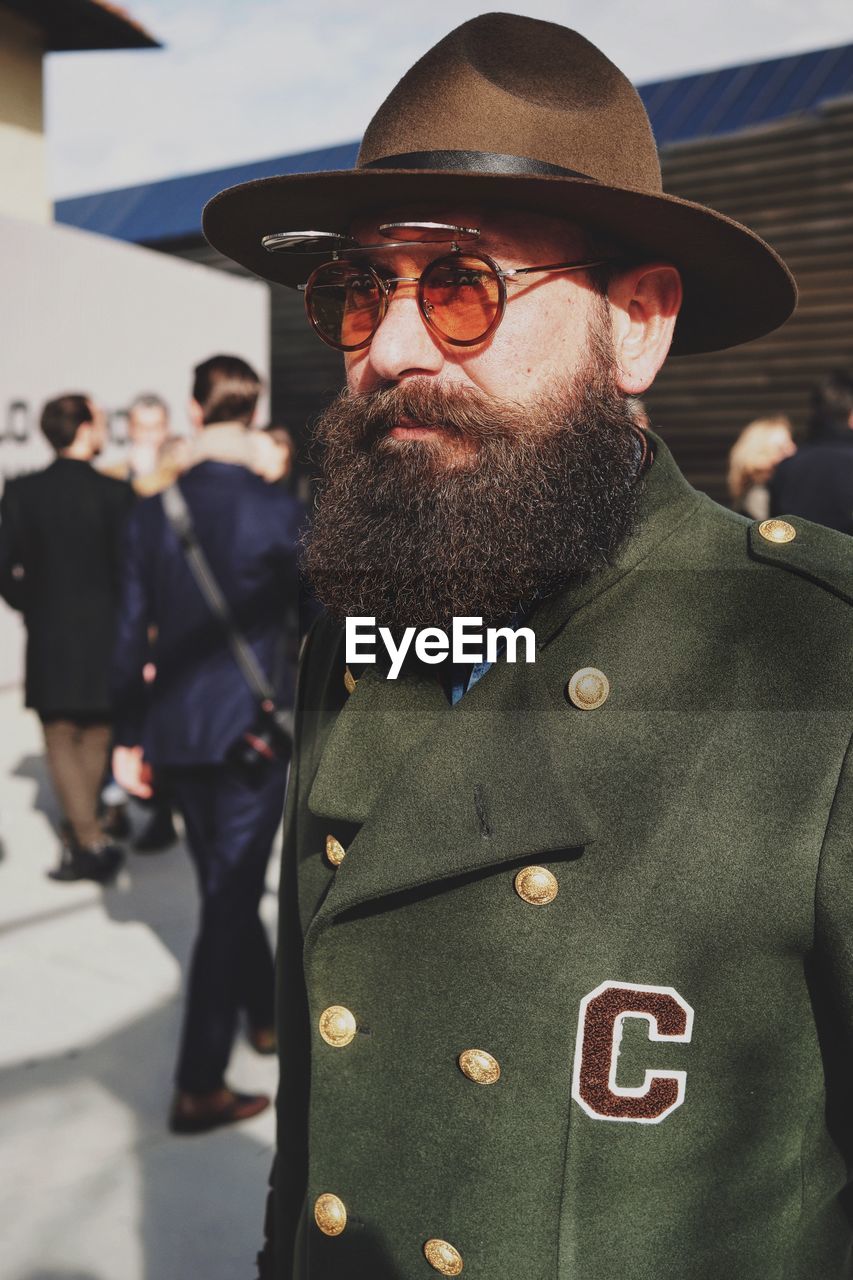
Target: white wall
80	312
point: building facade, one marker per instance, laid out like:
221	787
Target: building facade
29	29
770	144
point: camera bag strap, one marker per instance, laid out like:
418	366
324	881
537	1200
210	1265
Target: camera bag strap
179	517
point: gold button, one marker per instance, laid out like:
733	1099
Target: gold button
777	531
588	688
330	1214
335	851
442	1256
349	680
337	1026
536	885
479	1066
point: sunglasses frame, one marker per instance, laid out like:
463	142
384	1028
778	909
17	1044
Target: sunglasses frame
386	285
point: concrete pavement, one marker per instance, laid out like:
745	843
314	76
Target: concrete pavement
94	1187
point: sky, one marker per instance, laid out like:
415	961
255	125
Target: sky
243	80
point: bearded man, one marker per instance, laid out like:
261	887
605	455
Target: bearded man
566	972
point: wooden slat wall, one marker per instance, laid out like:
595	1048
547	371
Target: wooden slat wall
793	184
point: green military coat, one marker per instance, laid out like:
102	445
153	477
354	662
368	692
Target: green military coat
661	1014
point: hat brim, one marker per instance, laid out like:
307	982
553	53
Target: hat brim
736	288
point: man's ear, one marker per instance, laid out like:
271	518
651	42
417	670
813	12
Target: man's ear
84	436
644	303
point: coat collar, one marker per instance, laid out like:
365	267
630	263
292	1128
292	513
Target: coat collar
435	788
666	502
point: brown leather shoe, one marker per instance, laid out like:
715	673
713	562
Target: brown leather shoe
263	1041
201	1112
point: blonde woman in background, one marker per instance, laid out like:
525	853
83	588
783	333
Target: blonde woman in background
756	453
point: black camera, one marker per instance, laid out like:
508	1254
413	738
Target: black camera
267	743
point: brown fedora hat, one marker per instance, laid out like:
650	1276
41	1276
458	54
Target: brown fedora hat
511	111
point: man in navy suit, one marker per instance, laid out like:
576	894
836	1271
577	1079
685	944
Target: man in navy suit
183	703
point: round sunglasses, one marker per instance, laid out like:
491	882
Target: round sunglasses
461	296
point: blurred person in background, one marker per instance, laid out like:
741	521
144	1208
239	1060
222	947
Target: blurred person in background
151	465
173	459
200	707
274	454
272	458
818	483
60	557
147	432
753	458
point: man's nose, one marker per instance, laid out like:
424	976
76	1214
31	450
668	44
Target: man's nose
403	344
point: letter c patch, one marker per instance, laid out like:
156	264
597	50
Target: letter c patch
600	1024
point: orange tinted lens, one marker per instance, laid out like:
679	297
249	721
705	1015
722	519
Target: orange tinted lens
461	296
345	304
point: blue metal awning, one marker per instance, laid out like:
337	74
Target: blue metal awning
712	103
171	209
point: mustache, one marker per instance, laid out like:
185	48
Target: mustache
366	417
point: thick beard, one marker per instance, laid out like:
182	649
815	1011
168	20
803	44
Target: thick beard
539	494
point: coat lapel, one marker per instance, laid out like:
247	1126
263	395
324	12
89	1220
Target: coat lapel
448	791
381	722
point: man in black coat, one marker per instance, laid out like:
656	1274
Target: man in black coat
187	718
817	481
59	564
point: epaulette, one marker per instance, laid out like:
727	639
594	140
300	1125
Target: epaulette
822	555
